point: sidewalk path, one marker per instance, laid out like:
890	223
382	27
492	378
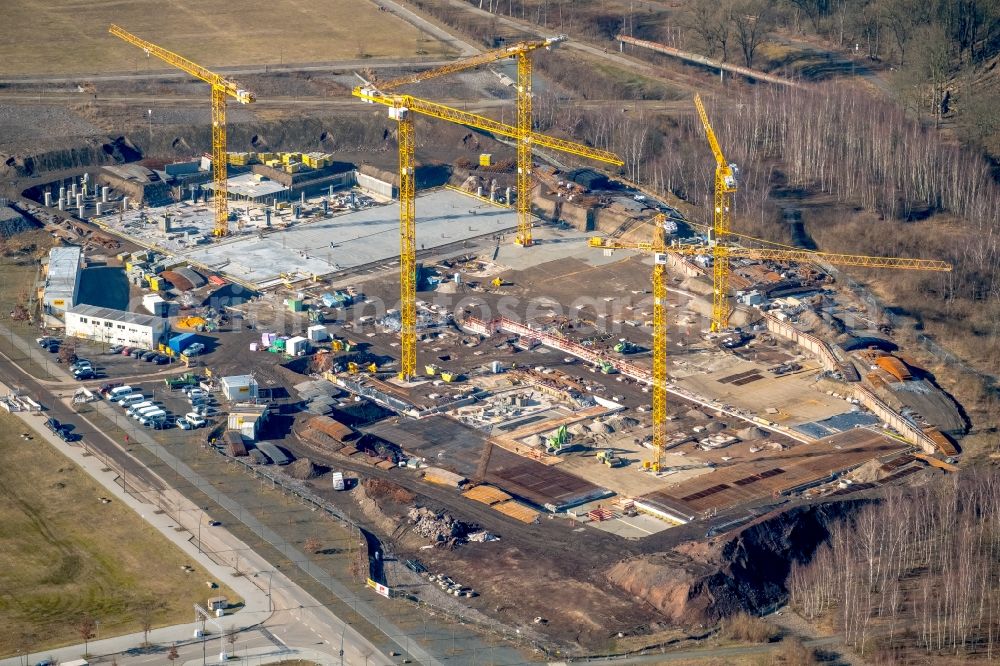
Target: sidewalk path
283	592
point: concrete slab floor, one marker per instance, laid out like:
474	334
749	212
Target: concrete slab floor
628	527
316	244
354	239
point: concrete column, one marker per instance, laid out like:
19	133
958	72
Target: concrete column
62	204
124	204
97	208
62	191
303	198
104	193
72	189
48	200
80	212
79	200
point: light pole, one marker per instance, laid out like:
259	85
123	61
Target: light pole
269	574
201	516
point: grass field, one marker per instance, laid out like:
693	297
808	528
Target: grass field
71	36
64	554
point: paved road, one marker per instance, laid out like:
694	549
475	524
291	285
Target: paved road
304	622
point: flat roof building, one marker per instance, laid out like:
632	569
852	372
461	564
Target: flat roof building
254	187
62	279
116	327
239	387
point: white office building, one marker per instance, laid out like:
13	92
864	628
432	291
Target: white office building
62	280
116	327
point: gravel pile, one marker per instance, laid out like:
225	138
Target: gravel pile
438	526
302	469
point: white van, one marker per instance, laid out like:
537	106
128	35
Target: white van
131	399
135	409
139	413
152	417
119	391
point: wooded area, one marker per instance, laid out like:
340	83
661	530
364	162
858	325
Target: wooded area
915	572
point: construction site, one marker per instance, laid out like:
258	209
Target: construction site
508	362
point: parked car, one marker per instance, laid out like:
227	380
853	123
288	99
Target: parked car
81	364
107	388
52	424
126	351
116	349
53	348
184	424
194	349
66	435
160	359
206	410
195	419
84	374
137	353
149	356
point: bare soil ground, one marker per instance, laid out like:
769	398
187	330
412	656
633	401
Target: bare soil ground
67	37
64	554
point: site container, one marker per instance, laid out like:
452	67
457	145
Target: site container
179	343
338	480
316	333
296	346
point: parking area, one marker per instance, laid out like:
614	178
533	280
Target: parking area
164	404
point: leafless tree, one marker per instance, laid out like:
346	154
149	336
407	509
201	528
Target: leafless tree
86	627
751	23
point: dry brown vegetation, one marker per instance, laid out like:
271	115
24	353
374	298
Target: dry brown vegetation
67	561
914	577
213	32
748	628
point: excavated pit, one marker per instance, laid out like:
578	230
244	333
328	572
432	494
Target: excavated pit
700	582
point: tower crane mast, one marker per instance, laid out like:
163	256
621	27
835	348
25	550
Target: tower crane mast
222	90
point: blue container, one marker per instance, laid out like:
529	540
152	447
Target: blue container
179	343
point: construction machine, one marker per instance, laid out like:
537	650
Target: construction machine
609	458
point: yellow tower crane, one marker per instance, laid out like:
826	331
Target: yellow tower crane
222	90
659	249
401	109
722	251
523	52
725	187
